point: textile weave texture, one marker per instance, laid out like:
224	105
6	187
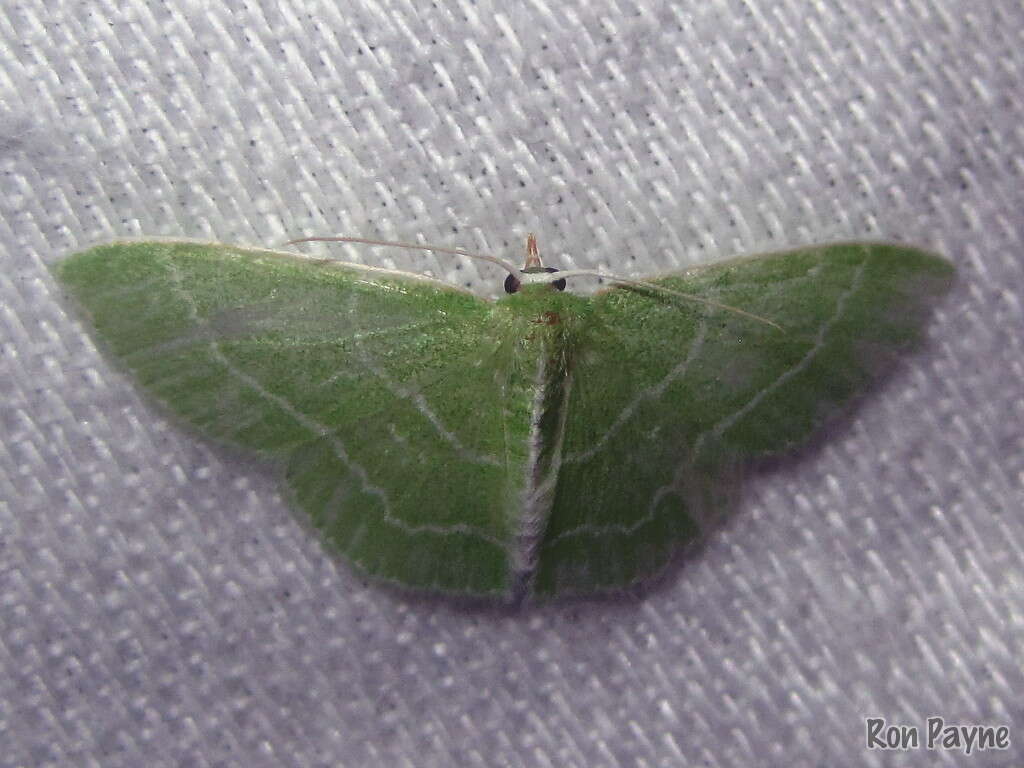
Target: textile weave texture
161	606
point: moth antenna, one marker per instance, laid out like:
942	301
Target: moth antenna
507	266
562	274
662	289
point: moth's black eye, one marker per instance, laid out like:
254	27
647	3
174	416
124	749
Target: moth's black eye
559	284
512	284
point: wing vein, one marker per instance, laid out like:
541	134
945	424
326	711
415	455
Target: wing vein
721	426
319	429
419	402
819	342
652	392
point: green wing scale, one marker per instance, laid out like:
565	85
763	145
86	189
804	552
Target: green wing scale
669	398
545	443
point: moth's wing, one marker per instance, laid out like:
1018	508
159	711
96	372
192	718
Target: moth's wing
668	396
396	403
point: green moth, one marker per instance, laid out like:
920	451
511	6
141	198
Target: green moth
545	443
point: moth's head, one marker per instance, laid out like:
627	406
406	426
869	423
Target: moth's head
532	270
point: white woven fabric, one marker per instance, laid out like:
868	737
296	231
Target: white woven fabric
159	604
